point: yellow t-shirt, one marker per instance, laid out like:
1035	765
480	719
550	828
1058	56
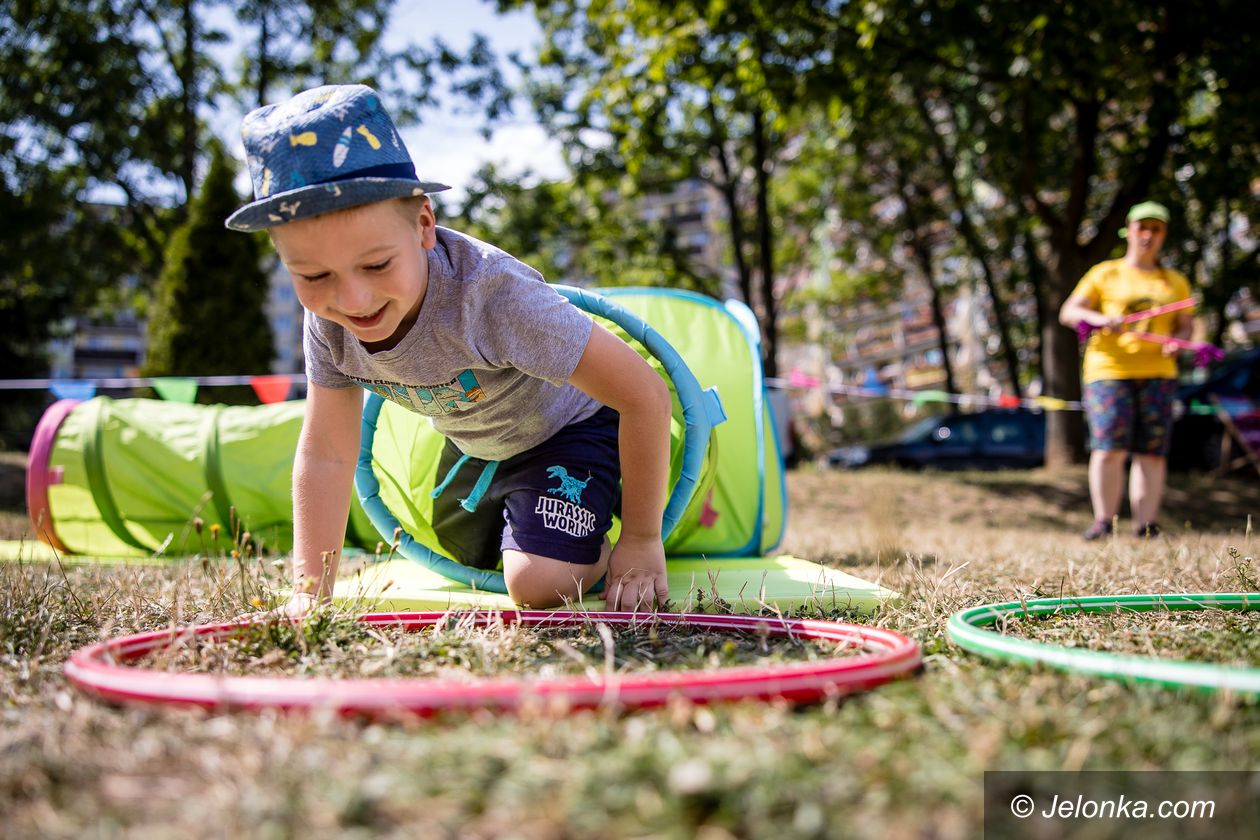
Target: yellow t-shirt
1116	288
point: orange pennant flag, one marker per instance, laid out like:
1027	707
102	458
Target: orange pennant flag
272	388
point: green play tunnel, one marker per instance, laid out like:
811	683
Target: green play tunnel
130	477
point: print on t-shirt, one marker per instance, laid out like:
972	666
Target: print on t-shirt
433	400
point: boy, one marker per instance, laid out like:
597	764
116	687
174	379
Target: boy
517	379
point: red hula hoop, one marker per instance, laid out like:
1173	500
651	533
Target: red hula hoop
98	670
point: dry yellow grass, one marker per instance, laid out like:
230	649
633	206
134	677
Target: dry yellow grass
905	760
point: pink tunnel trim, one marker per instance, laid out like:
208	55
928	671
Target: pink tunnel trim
40	475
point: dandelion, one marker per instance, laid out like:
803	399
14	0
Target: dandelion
256	601
214	530
236	555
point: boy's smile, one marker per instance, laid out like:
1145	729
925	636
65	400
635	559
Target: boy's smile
363	268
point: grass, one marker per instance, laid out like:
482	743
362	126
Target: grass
904	760
333	644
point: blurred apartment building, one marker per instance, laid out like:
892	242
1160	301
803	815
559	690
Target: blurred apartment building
100	350
693	215
115	348
896	345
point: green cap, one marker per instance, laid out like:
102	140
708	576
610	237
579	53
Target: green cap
1144	210
1148	210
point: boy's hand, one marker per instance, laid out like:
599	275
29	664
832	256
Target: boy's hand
636	575
299	605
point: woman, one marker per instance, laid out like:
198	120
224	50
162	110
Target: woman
1130	382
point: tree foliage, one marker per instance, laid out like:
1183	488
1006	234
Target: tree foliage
994	145
104	129
666	91
1073	113
1004	138
579	231
207	314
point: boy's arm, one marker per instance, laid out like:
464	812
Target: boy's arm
613	373
323	475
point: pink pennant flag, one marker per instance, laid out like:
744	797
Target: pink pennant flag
799	379
272	388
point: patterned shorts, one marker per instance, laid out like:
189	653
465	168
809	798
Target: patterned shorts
556	500
1133	415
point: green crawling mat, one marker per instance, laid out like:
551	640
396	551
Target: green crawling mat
744	584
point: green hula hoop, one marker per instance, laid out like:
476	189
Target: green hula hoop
965	629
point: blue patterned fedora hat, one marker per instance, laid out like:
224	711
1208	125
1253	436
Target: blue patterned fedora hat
325	149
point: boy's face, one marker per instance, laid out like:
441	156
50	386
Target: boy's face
364	268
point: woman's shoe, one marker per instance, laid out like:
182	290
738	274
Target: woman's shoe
1101	528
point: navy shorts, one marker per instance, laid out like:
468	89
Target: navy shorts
556	500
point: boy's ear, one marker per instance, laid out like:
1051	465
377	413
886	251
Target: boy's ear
426	221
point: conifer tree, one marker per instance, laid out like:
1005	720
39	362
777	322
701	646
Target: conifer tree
207	317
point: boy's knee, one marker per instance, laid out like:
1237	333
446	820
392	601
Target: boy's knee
542	583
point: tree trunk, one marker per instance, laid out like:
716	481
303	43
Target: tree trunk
1061	357
923	254
1036	279
938	312
264	59
1004	330
188	102
770	306
730	195
949	169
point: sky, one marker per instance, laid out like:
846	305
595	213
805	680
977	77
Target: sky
453	148
449	147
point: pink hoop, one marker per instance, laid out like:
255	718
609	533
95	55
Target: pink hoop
97	670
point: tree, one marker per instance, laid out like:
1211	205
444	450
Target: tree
103	131
74	85
1216	212
207	314
874	192
664	91
575	232
305	44
1076	110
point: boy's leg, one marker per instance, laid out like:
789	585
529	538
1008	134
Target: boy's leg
542	582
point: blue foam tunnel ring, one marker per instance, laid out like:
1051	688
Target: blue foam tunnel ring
701	410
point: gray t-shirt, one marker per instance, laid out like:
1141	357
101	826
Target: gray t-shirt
488	359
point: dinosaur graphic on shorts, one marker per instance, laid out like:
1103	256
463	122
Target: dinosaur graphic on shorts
569	487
